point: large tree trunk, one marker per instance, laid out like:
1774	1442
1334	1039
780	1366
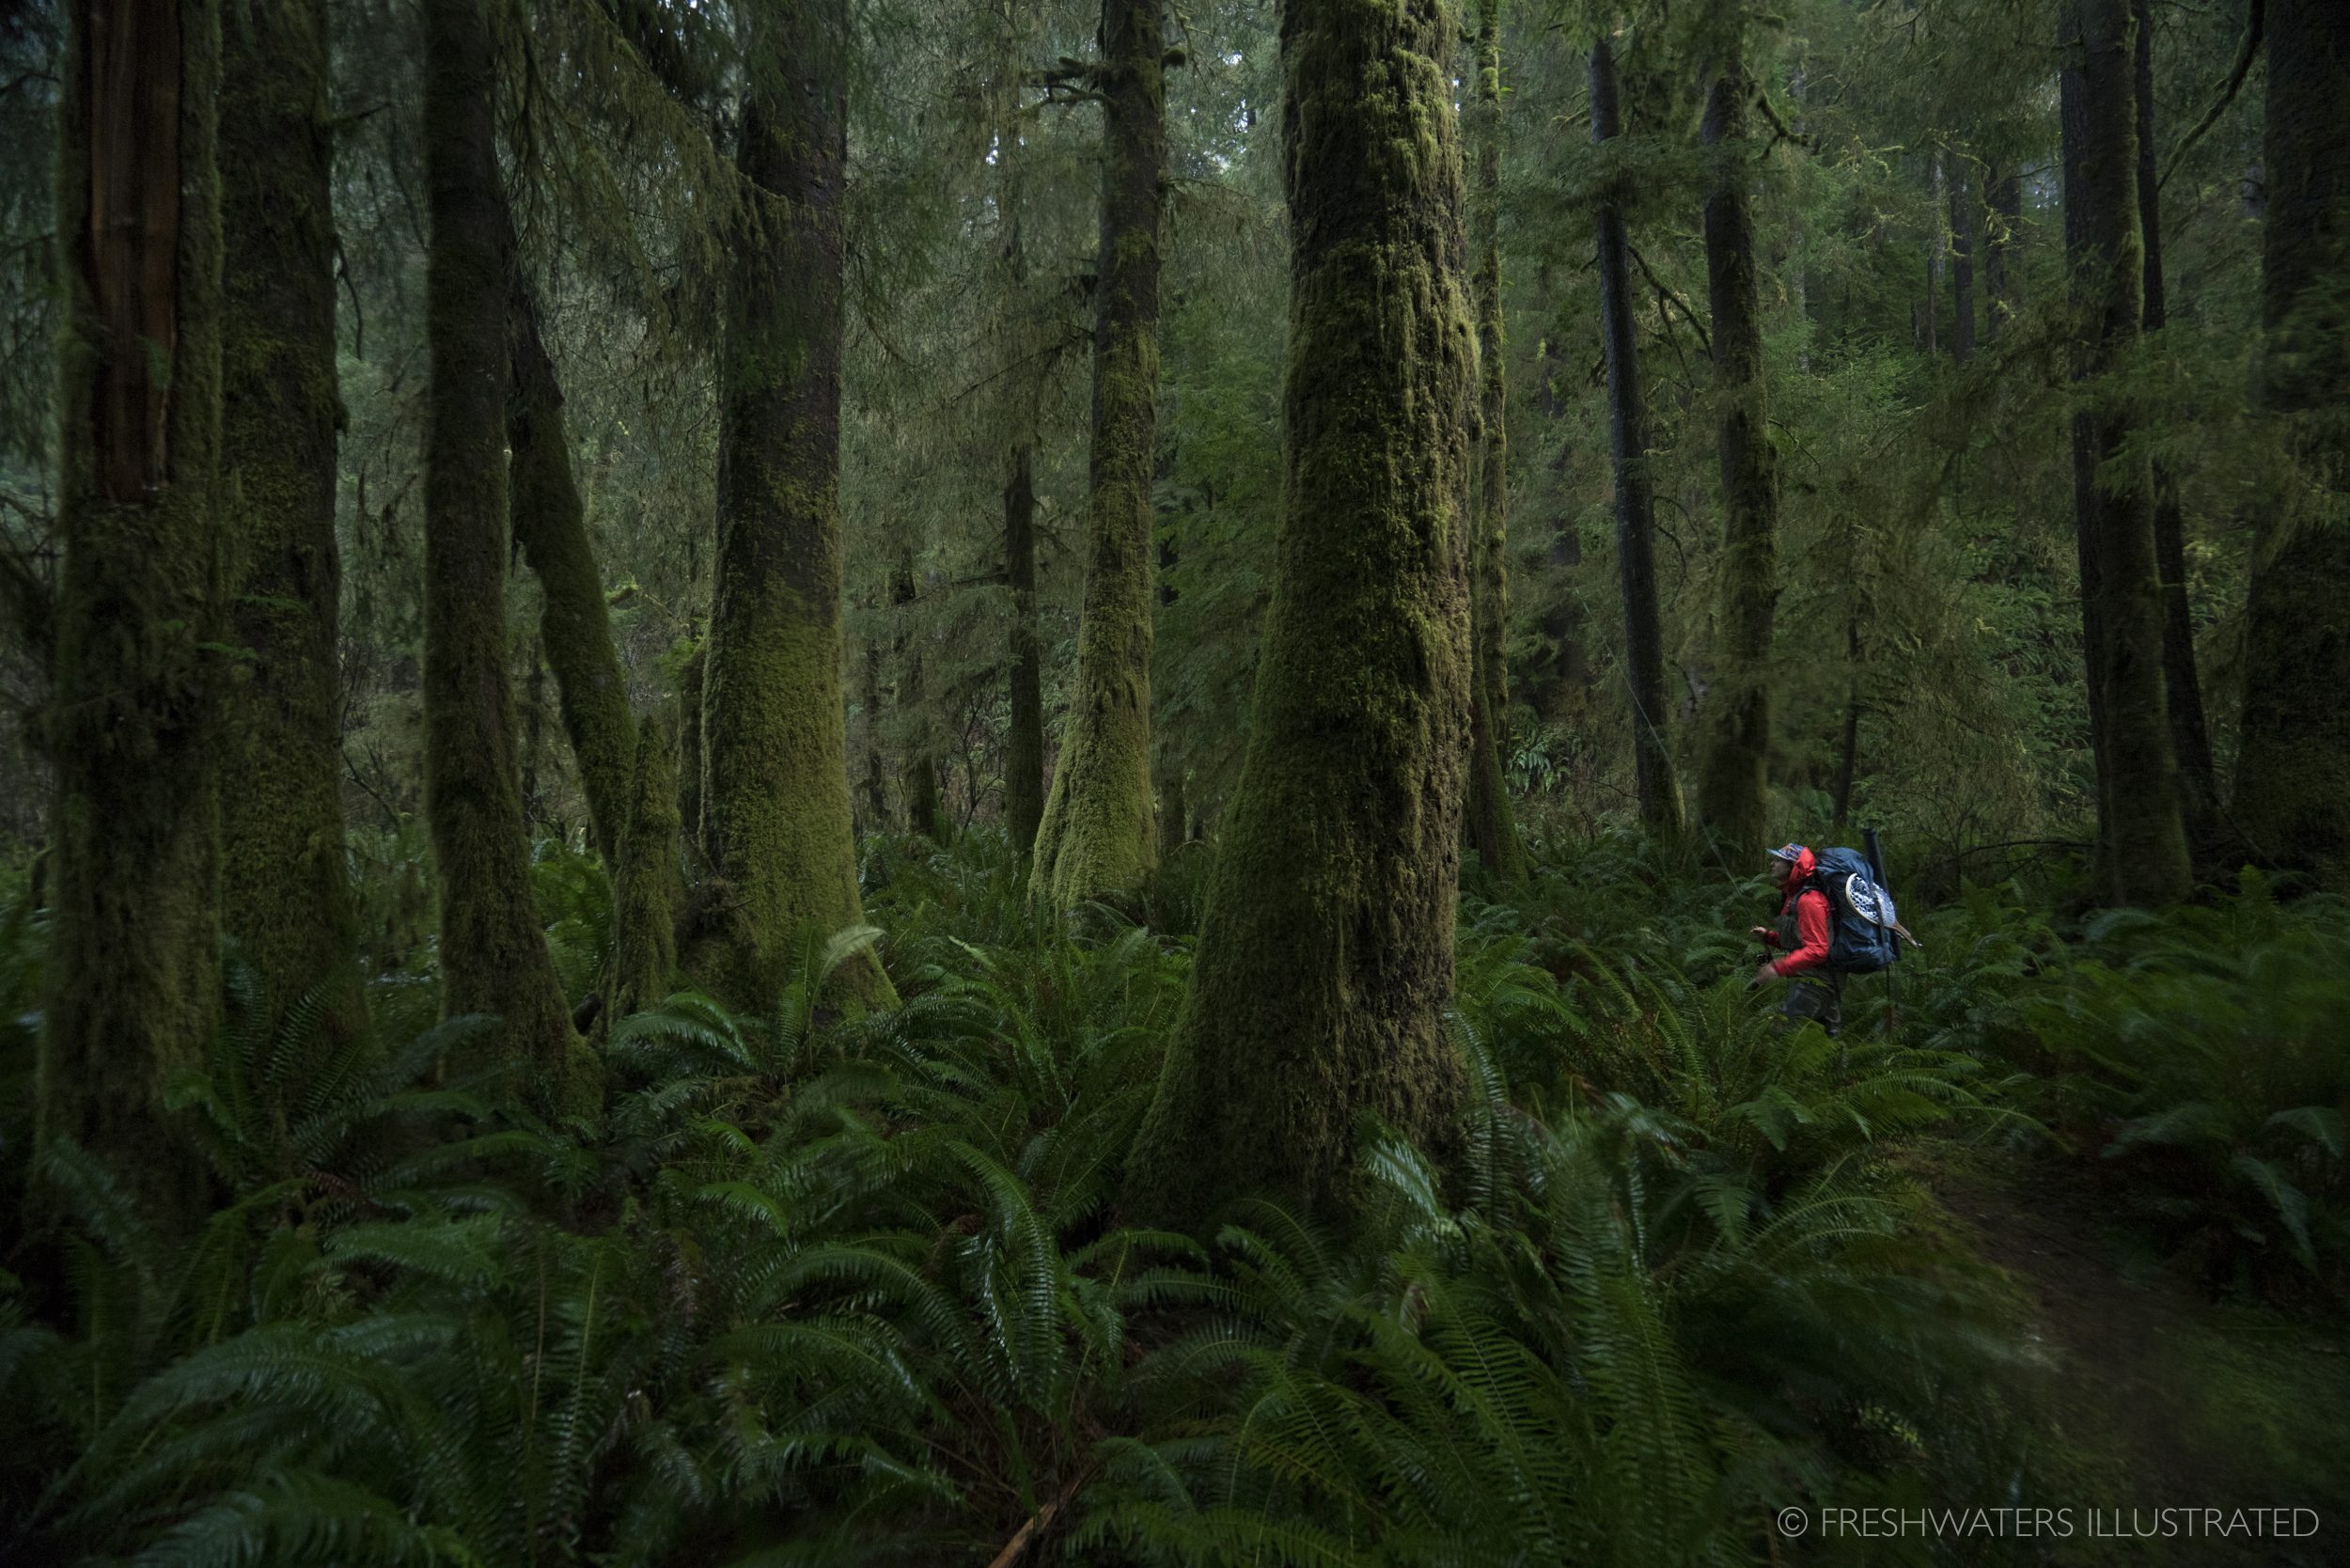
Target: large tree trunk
1732	785
285	892
1023	747
775	747
493	956
2293	774
2143	846
575	624
1326	957
1096	834
1493	827
134	918
2182	690
1636	500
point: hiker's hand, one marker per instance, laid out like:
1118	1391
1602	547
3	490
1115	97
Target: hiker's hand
1764	974
1762	931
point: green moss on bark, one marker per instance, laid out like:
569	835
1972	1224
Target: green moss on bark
776	786
646	891
285	893
1326	957
1096	832
493	954
132	725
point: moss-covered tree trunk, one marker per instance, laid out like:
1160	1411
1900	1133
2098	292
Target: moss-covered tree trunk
575	624
2005	211
132	728
284	891
689	752
2291	794
2143	844
775	746
1733	780
1493	827
2181	687
494	953
1096	832
1635	498
1326	957
647	891
1962	258
1023	747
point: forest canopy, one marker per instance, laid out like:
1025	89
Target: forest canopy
820	780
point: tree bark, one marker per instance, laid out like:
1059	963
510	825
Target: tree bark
1096	834
775	747
1732	785
2293	774
2007	211
1023	747
646	889
551	525
1636	500
285	892
493	956
2143	843
1493	827
1325	956
2182	690
1961	264
133	973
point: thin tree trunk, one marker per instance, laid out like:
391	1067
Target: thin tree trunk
876	803
1961	264
918	767
1635	502
285	891
1732	785
1936	242
647	891
775	747
1167	768
1493	827
1024	749
1326	958
551	525
2007	211
1848	766
493	956
2182	690
2143	843
133	973
1096	834
2293	774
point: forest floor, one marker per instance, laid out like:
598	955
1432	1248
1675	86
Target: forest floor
2154	1395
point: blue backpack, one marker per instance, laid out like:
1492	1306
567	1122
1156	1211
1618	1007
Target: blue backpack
1860	919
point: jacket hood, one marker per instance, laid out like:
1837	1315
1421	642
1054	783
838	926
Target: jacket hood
1806	863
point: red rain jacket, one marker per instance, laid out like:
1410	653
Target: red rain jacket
1811	911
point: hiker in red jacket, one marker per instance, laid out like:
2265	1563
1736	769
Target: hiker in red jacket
1801	937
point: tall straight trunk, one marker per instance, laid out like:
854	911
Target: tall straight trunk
1096	832
2006	207
1732	782
1493	827
1167	766
2143	845
647	891
2182	690
1563	678
1635	499
133	975
1325	956
918	768
493	956
2293	774
1961	263
775	746
285	892
574	625
1937	244
689	753
1848	763
1024	749
875	806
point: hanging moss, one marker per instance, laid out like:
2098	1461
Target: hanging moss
1325	955
286	892
132	725
1096	832
493	954
776	787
